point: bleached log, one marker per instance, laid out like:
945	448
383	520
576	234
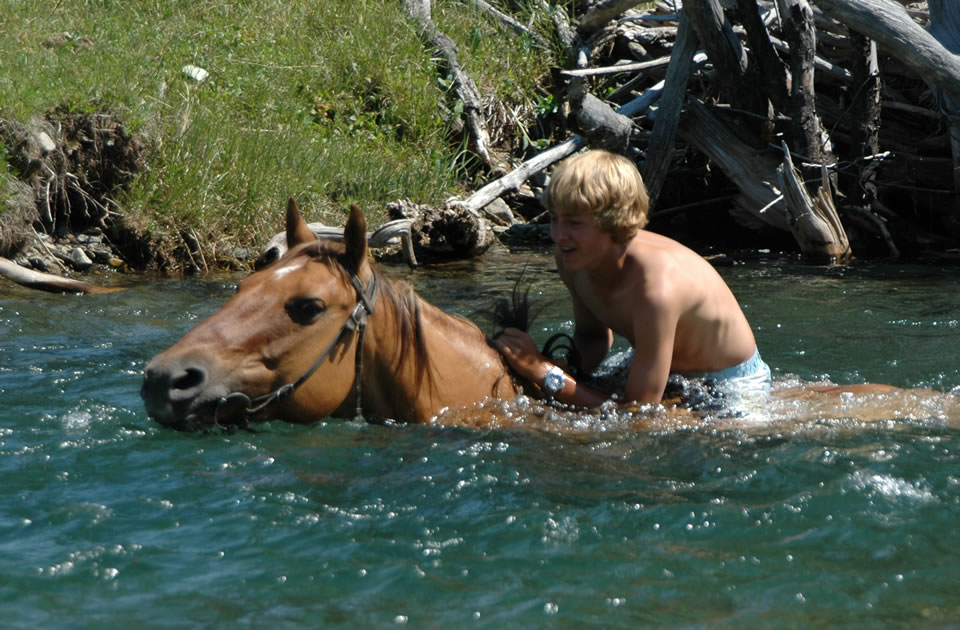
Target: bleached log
890	25
814	221
41	281
774	77
515	178
603	127
390	233
444	233
754	174
466	89
865	109
807	130
739	84
639	66
660	147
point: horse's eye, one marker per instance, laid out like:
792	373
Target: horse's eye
304	310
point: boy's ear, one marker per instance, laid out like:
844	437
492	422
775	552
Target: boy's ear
355	237
297	230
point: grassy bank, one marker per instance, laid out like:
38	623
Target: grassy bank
331	101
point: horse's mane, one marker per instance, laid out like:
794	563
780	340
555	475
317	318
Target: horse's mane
409	322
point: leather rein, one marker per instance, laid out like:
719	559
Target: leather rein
356	321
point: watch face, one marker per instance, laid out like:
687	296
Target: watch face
553	382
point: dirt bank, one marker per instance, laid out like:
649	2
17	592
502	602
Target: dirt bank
65	171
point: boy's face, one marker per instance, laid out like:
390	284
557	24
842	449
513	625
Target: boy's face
577	238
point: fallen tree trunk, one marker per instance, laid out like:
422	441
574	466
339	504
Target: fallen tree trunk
727	54
814	222
443	233
772	71
419	10
891	26
660	146
33	279
515	178
603	127
808	133
759	202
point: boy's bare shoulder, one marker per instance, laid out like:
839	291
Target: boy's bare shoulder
660	243
655	257
657	251
668	272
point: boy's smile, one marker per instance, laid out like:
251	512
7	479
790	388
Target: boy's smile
577	239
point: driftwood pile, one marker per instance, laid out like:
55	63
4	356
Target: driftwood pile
835	121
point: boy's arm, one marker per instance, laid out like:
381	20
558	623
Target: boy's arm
592	339
654	329
520	351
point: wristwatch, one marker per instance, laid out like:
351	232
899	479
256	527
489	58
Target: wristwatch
553	381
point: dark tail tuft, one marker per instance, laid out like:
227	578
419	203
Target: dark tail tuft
515	311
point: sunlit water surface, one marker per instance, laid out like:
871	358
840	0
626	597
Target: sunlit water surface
813	519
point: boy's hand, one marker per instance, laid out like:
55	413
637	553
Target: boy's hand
521	352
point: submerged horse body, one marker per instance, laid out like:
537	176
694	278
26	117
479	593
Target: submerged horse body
320	333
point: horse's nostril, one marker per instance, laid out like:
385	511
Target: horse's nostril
189	379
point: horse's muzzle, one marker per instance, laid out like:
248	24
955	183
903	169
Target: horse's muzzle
179	395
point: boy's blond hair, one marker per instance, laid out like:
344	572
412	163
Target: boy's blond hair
605	185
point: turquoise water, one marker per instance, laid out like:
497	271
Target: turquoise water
108	518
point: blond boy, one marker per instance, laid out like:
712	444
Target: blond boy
666	300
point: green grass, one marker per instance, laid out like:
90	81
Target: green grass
331	101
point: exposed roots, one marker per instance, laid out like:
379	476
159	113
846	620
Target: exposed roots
64	172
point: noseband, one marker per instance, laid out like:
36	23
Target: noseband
357	321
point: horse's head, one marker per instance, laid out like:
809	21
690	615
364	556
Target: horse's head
291	321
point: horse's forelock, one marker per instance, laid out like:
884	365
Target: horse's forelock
320	249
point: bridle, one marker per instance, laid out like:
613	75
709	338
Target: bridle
356	321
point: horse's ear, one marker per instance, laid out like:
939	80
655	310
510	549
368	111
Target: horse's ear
297	230
355	236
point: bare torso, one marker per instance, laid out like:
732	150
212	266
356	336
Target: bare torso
664	288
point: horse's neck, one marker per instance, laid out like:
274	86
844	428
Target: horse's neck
462	368
458	346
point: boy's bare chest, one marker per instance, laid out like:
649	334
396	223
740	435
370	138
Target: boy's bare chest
614	309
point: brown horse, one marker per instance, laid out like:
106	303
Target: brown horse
321	332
